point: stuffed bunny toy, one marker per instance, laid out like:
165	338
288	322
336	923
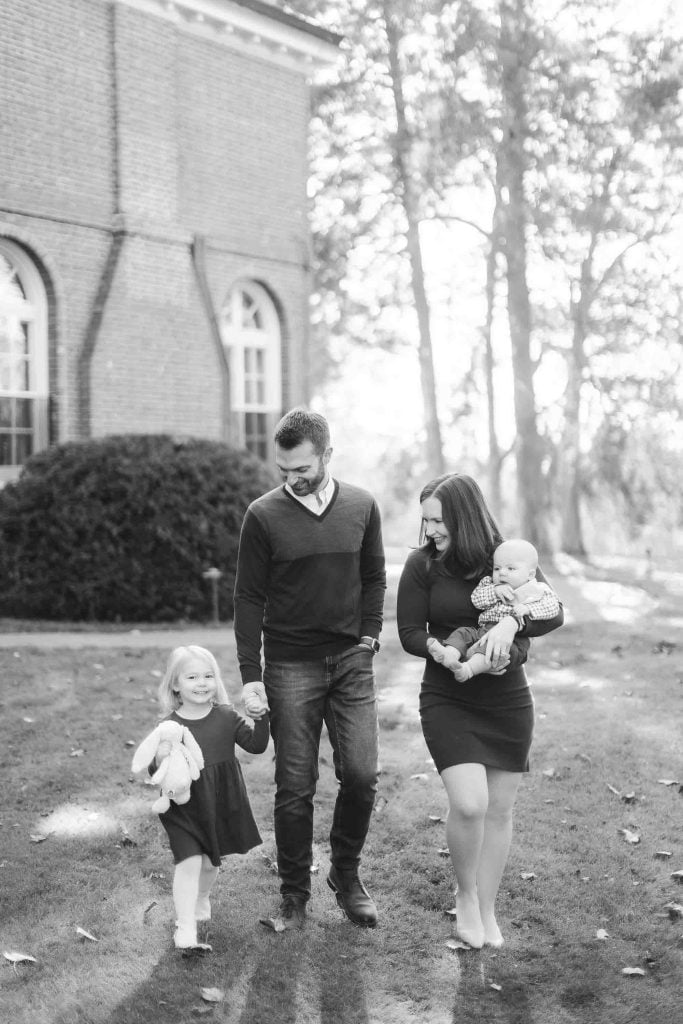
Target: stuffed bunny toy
175	773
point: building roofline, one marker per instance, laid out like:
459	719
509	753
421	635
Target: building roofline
252	27
297	21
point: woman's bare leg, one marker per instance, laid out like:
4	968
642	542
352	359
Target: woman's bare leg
467	790
502	792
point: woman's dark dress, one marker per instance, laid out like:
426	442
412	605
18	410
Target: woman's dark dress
217	819
486	720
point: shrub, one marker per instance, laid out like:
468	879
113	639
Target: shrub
122	528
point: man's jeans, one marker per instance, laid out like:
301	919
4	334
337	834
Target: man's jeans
339	690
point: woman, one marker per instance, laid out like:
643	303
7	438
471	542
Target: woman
478	732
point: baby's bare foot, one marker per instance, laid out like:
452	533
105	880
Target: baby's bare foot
462	672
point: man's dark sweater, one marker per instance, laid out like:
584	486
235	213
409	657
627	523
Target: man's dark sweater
312	585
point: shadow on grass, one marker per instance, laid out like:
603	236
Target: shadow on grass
290	978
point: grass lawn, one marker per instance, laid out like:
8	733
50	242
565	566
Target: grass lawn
609	702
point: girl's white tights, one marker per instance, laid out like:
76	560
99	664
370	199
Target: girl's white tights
193	880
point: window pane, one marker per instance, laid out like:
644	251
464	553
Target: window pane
24	447
255	433
24	412
6	450
5	412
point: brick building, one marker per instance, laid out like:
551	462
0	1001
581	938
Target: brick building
153	220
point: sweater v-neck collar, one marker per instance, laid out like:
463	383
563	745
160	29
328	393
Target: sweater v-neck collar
310	512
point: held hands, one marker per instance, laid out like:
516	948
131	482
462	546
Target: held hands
255	700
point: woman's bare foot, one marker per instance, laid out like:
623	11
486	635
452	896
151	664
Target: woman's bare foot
469	925
492	933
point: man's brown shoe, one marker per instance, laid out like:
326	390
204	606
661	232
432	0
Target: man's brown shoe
352	896
290	914
293	911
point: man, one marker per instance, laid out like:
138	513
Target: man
311	582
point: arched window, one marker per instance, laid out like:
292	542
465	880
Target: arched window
23	360
250	329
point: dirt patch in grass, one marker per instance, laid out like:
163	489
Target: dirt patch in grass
609	702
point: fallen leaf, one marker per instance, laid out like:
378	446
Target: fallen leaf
436	819
457	944
420	775
37	837
86	935
633	971
663	854
675	910
212	995
274	923
668	782
451	913
129	743
444	852
629	836
628	798
526	876
19	958
125	839
496	988
271	863
601	934
678	875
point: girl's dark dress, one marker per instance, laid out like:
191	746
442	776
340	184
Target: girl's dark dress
217	819
486	720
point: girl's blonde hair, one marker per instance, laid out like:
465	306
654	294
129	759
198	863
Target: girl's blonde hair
169	699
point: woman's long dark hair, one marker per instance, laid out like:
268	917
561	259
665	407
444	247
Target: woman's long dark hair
473	530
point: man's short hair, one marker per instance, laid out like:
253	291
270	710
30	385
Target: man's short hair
299	425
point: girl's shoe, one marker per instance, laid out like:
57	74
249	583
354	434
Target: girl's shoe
202	911
186	938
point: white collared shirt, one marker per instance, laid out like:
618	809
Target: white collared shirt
315	502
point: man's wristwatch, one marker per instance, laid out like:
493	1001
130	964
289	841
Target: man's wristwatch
369	641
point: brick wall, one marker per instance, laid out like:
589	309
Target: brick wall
121	139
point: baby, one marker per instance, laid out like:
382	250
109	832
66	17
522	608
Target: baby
511	590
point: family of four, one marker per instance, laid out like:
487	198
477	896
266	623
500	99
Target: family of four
309	596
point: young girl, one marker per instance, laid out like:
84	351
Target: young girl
217	820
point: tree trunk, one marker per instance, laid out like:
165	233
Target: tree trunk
401	159
495	455
570	481
530	483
